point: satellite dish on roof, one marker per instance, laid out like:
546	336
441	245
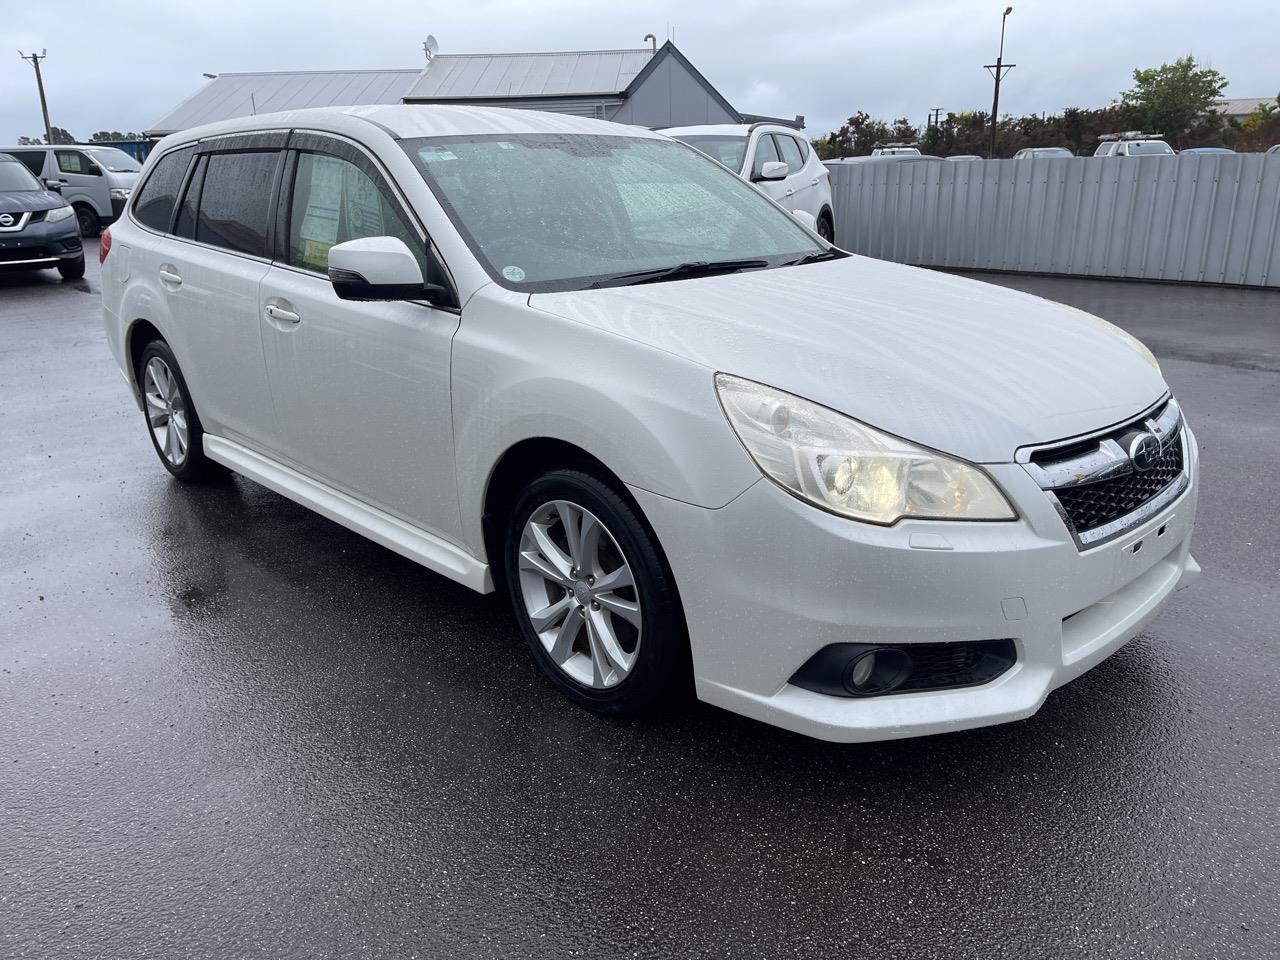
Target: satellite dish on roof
431	47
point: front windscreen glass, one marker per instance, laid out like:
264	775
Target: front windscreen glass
113	160
15	177
1149	149
729	150
549	212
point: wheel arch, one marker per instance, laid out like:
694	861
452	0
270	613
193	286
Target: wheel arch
521	463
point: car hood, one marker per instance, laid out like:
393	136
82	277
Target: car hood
965	367
18	201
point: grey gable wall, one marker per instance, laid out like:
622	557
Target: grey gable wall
671	96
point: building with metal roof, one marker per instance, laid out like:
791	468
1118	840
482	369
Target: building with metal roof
1237	108
230	95
649	87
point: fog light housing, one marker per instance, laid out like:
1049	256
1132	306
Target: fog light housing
878	670
875	670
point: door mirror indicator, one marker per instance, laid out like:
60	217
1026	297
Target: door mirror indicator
380	268
773	170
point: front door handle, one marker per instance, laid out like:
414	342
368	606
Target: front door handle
281	315
813	182
790	192
169	276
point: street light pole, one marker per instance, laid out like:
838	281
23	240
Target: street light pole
998	71
35	59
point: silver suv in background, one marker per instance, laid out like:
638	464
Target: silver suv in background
95	180
776	158
695	445
1133	145
1043	153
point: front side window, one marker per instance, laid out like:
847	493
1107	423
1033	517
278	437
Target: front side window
154	204
567	211
1150	150
335	201
790	153
766	152
235	201
729	150
73	161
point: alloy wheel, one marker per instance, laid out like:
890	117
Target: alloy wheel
166	411
579	594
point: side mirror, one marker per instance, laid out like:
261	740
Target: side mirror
380	268
806	220
773	170
53	185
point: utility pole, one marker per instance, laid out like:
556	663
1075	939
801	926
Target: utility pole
35	59
998	70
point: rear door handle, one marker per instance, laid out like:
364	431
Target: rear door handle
790	192
281	315
813	182
169	276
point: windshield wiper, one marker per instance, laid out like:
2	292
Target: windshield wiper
831	254
692	268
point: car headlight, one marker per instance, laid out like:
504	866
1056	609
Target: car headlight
849	468
58	213
120	193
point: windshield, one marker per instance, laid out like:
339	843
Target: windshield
565	211
729	150
14	177
1149	149
115	161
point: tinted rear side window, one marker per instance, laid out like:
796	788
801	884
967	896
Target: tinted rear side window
235	203
154	205
33	160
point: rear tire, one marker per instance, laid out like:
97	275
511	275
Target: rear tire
88	221
610	631
171	418
71	269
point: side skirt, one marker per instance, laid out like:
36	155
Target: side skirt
405	539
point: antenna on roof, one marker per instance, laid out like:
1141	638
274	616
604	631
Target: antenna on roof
653	40
431	46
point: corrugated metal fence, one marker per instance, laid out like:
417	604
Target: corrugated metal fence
1193	218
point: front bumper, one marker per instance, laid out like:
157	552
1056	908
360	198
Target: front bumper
767	581
40	245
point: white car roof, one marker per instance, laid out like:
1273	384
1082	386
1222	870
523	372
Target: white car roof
416	120
723	129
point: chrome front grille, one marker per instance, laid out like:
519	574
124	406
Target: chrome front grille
1108	483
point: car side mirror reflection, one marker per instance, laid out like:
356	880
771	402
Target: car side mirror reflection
773	170
381	268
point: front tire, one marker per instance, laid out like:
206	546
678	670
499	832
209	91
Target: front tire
594	598
87	218
71	269
172	422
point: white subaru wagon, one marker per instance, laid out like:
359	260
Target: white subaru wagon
700	448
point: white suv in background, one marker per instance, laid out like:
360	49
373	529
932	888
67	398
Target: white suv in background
695	445
776	158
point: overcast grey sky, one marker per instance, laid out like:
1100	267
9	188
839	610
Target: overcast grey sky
123	65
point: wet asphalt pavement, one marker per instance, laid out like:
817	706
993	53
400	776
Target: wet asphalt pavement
231	728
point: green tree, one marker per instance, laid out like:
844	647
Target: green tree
113	135
1176	97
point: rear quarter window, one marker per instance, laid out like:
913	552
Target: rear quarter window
154	204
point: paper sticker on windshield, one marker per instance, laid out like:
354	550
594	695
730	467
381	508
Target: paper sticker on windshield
431	154
514	274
